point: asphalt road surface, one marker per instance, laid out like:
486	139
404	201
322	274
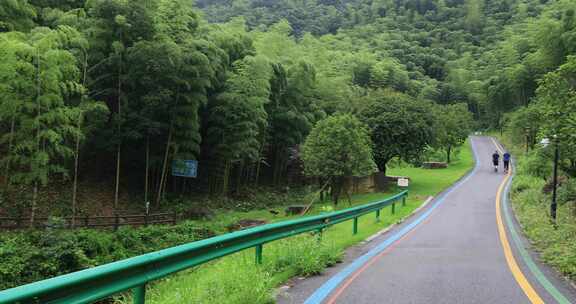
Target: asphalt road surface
464	247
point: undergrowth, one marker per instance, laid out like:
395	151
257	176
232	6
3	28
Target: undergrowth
29	256
556	244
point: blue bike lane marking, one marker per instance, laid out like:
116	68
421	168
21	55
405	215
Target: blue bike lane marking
321	293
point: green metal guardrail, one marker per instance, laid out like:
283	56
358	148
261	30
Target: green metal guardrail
96	283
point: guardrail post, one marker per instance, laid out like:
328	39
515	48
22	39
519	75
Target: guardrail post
355	226
259	254
393	207
404	200
378	216
139	294
319	236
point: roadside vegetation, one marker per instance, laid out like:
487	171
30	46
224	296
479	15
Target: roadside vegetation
531	198
29	256
236	279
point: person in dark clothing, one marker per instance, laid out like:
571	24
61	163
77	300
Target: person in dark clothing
496	160
506	159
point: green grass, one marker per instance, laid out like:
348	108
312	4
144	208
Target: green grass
236	279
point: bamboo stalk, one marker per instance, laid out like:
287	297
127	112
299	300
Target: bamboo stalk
10	142
147	168
75	183
118	151
164	167
35	191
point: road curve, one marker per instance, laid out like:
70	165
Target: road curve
463	248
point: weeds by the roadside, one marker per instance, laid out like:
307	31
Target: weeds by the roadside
556	245
236	278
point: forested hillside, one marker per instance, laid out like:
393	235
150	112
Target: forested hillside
114	92
488	53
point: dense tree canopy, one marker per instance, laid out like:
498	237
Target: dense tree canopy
239	85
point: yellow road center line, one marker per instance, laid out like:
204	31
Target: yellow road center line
512	264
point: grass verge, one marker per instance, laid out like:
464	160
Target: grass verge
236	279
556	245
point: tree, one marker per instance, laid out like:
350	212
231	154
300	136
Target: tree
154	96
42	123
400	126
524	125
454	126
292	112
556	94
114	26
16	15
337	147
389	74
474	16
176	19
237	119
15	75
167	82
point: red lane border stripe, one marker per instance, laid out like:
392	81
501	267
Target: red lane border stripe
338	292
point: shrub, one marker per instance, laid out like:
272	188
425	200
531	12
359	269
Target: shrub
567	191
526	182
537	164
55	252
304	254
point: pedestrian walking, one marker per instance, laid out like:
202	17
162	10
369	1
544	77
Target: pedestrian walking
506	158
496	160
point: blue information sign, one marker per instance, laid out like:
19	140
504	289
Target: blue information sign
185	168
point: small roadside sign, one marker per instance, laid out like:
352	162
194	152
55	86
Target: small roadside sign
185	168
403	182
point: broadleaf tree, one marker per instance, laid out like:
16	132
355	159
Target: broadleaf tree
454	124
400	126
338	146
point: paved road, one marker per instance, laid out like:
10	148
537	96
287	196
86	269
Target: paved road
451	252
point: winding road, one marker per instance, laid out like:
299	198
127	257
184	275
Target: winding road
464	247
